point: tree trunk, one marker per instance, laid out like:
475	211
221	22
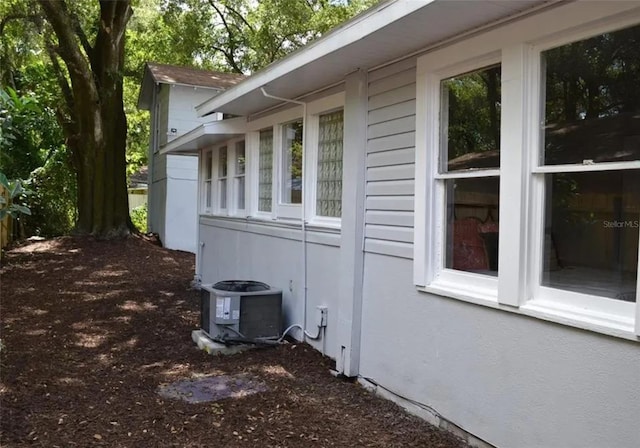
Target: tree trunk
97	112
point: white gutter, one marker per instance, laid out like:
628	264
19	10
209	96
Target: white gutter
303	227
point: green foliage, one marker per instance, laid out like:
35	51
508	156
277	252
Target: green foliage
139	218
227	35
31	149
19	133
474	107
53	201
15	193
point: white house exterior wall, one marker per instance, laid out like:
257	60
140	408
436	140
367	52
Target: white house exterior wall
173	207
511	380
390	160
182	203
272	253
182	114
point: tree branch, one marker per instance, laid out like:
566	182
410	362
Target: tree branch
240	16
228	54
60	77
230	59
86	45
58	16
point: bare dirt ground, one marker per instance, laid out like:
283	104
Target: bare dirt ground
91	329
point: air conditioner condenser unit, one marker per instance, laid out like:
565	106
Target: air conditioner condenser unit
243	309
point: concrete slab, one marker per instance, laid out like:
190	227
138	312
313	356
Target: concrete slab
212	388
204	342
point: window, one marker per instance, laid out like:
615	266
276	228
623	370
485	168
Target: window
329	169
208	173
222	178
469	160
291	179
240	175
297	164
265	170
528	172
590	138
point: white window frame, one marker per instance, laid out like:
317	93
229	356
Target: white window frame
279	210
237	176
231	197
252	188
323	106
207	155
285	209
521	201
437	278
217	207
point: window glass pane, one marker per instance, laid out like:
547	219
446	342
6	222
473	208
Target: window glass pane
207	194
472	224
292	163
240	183
265	170
329	191
591	232
470	121
240	158
222	162
208	165
223	193
592	100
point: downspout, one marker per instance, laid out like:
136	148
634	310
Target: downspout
303	227
197	277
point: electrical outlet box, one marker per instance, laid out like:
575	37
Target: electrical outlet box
321	316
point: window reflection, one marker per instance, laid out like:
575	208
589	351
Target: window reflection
591	233
472	224
592	106
471	119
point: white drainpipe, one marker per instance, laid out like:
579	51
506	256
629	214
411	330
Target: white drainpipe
304	214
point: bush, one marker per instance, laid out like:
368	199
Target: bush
53	198
139	218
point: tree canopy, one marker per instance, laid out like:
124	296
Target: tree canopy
70	74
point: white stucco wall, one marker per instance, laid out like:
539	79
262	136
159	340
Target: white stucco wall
513	381
248	252
174	188
181	203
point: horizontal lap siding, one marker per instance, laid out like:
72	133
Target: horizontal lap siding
391	160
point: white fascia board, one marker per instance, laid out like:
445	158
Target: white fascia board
205	135
352	31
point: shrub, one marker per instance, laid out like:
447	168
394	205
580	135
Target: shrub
139	218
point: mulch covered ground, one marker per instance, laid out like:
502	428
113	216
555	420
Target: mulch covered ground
91	329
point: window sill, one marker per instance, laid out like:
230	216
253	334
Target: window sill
600	322
478	296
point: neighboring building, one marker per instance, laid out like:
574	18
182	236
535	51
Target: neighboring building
458	182
169	93
138	188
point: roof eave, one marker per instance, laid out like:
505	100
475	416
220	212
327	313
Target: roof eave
350	32
205	135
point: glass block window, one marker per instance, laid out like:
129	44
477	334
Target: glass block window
329	184
265	170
